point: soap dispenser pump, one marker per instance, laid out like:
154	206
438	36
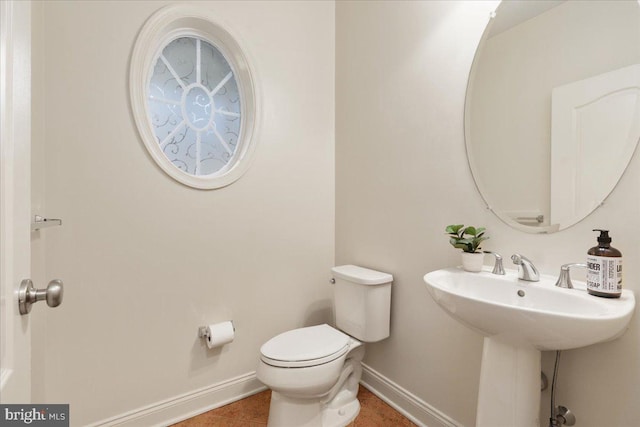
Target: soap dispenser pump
604	263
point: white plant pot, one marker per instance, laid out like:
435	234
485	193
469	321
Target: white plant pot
472	261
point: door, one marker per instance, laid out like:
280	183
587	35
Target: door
15	196
594	130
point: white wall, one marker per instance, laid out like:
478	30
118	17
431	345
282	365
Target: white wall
146	260
402	176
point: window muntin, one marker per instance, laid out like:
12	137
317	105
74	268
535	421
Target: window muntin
194	106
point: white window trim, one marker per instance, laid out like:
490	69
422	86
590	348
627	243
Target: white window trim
166	25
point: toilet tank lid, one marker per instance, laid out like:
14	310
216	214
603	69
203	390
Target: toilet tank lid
361	275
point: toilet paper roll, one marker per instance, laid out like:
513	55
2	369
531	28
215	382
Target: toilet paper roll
219	334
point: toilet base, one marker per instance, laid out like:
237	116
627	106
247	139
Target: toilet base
288	412
340	417
337	408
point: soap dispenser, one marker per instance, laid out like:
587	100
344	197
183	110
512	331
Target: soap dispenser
604	264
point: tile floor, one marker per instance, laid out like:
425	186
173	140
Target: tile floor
253	412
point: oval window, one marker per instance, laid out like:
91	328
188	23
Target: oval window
193	98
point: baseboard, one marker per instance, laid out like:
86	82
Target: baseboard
187	405
196	402
403	401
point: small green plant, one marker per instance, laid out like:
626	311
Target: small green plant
466	238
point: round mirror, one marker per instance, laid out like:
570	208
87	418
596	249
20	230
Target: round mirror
552	114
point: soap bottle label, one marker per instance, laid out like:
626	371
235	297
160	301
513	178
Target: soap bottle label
604	274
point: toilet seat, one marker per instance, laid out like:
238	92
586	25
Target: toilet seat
305	347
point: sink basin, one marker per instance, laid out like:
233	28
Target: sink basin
519	319
536	313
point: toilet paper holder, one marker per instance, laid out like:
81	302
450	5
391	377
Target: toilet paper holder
203	332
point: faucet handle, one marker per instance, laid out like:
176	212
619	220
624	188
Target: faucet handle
526	270
517	259
564	280
497	267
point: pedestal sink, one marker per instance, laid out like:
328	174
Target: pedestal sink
518	320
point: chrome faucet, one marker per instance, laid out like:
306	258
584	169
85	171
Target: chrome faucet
526	270
497	267
564	280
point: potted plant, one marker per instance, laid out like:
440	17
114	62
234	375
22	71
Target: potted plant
468	239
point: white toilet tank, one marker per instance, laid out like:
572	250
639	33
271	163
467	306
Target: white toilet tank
362	302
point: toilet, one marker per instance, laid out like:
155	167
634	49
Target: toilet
314	372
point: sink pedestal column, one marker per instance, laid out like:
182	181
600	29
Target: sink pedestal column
509	393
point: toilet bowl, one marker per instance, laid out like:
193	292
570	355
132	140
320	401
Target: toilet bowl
314	372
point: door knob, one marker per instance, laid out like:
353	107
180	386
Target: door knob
28	294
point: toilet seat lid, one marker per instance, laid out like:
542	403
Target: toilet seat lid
302	347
